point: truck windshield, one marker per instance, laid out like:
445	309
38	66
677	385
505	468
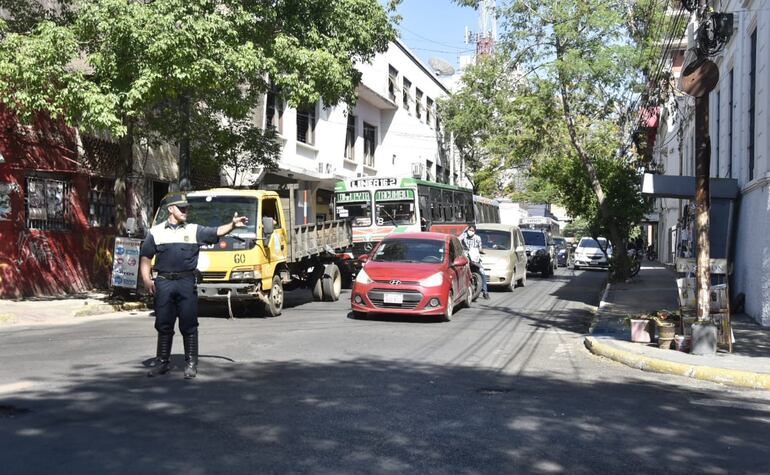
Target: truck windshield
534	238
395	213
215	211
410	250
355	206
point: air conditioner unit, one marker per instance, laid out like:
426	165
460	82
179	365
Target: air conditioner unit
417	169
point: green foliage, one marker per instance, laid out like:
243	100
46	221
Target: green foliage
126	66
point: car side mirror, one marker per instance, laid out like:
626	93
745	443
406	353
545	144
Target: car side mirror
363	258
460	261
267	226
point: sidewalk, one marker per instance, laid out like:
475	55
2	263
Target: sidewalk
652	289
61	310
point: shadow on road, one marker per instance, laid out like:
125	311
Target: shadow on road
374	416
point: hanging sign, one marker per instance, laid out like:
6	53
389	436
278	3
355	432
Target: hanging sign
125	262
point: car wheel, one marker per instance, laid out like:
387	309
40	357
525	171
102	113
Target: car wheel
512	284
317	288
274	304
523	280
450	304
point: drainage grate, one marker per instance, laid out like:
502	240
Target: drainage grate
11	411
492	391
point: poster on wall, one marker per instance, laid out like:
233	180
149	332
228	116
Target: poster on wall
125	262
5	199
36	199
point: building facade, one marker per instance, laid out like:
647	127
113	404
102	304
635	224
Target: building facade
739	130
391	131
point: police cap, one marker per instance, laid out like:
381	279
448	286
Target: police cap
177	199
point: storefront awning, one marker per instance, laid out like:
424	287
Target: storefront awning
683	187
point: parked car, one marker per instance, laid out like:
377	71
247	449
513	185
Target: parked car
505	257
541	256
588	253
413	273
563	251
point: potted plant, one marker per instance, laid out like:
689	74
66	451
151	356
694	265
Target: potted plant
665	323
641	330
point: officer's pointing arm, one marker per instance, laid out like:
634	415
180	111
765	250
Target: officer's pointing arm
237	222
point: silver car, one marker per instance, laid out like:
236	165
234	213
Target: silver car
588	253
505	257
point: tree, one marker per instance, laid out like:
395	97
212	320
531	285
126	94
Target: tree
152	69
578	62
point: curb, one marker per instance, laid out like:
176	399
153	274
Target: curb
744	379
100	309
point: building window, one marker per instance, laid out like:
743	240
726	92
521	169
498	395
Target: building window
370	144
306	121
392	81
350	138
274	110
406	94
418	103
730	126
101	205
752	100
428	170
429	111
47	204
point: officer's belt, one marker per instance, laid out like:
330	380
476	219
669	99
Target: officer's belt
176	275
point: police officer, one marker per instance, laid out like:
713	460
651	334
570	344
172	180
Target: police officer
175	245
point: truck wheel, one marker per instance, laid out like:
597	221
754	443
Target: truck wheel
274	304
317	287
331	283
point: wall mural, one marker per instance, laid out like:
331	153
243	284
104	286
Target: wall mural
101	249
6	188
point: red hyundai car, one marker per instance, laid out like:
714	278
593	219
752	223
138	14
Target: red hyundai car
413	273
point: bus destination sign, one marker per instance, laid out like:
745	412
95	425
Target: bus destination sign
354	196
368	183
394	195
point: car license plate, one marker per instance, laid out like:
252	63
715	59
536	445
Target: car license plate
593	263
393	298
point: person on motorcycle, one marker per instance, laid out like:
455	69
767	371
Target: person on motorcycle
472	243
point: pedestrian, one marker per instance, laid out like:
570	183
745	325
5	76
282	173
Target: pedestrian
472	242
175	244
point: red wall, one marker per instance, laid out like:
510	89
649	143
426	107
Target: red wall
36	262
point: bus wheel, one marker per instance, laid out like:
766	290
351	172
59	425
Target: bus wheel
274	304
331	283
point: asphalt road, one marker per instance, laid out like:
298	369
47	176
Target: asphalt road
506	387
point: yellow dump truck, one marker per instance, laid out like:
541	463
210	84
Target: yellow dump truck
258	262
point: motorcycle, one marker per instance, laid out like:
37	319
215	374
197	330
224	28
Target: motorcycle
636	261
474	261
651	254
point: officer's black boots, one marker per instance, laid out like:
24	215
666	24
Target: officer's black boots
190	355
163	360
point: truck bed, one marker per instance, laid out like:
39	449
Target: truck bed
311	240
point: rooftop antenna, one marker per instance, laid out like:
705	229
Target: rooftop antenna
441	67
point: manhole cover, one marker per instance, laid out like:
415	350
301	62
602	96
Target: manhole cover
11	411
492	391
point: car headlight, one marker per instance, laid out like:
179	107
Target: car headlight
433	281
236	275
363	277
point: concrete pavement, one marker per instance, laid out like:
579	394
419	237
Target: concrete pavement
64	309
653	289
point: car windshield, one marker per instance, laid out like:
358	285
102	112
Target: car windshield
592	243
533	238
560	242
490	239
410	250
215	211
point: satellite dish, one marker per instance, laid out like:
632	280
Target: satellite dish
441	67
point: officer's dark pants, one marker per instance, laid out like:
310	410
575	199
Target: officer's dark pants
176	298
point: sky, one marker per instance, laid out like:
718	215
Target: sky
436	28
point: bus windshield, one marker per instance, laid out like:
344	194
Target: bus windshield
395	207
355	206
215	211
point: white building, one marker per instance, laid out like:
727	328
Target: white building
739	129
391	131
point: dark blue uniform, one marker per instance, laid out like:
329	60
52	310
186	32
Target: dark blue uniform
176	248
